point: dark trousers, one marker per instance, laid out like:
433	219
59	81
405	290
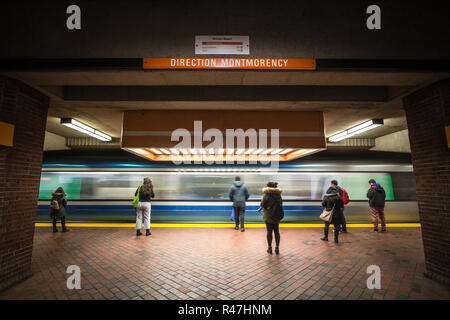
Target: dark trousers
239	216
63	222
337	228
344	223
275	227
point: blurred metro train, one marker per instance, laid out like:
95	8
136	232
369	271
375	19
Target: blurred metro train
101	185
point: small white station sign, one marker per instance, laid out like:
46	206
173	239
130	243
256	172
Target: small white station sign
222	45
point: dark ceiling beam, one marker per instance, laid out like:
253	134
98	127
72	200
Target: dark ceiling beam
383	65
96	64
226	93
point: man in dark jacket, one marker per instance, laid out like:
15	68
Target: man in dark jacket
335	184
332	200
377	198
239	194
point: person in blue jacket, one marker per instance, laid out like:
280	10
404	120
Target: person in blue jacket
239	194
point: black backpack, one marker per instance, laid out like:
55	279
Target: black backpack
278	212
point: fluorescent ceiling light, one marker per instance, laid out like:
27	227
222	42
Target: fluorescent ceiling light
79	126
304	152
360	128
155	151
82	125
140	151
161	153
104	136
286	151
78	129
276	151
339	135
299	151
365	129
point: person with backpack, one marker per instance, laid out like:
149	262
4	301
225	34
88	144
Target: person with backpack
345	200
333	201
143	196
239	194
58	205
272	203
377	198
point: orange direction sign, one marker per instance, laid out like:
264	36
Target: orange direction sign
230	63
447	134
6	134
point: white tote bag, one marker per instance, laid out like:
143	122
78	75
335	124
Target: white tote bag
326	215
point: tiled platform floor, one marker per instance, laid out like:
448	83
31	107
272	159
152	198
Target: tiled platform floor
208	263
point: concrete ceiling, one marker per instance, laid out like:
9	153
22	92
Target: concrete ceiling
236	77
106	115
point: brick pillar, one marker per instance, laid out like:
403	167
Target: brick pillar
20	170
427	113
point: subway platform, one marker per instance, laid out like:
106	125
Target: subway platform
221	263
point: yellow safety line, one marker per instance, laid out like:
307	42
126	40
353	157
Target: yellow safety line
217	225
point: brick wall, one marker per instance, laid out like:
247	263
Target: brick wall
20	169
427	114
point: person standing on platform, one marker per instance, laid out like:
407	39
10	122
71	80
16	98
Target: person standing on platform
332	200
58	205
377	198
272	203
345	199
143	209
238	195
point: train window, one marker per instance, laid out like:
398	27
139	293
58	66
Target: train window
215	186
